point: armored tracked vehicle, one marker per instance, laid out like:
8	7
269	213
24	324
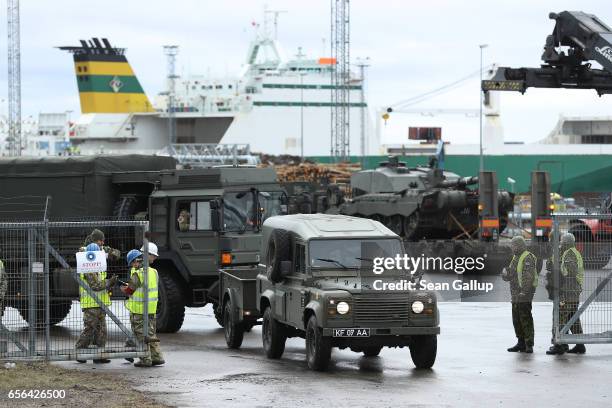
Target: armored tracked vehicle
420	202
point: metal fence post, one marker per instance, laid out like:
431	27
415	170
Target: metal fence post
31	295
47	293
145	287
556	280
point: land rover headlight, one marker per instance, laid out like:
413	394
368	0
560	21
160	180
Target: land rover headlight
342	308
417	306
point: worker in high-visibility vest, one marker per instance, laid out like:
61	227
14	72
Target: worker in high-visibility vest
94	317
571	282
523	277
136	305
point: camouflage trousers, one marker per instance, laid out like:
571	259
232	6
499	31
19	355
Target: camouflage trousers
566	311
522	320
94	328
152	347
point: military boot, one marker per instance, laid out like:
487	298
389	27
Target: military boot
101	361
577	349
528	348
519	346
141	363
557	349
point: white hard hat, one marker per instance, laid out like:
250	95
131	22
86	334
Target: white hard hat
152	249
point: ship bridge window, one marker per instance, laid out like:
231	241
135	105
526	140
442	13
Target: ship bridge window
229	87
596	139
219	87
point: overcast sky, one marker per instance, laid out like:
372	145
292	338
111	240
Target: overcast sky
414	46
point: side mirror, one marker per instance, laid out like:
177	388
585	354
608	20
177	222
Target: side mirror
216	215
285	267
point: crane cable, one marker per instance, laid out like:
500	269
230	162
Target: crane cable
438	91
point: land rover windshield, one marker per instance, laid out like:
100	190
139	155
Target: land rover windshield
351	253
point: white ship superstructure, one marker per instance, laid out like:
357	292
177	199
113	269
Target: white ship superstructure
270	105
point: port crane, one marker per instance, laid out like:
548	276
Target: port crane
587	39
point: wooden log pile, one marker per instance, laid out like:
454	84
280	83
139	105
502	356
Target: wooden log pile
316	172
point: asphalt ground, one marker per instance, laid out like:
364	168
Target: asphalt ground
473	368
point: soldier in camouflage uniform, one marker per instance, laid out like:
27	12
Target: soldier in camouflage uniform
523	277
94	317
571	279
97	237
135	304
3	288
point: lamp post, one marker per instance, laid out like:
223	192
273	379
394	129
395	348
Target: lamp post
480	96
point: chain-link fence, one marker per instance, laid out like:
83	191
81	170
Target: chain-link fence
582	292
52	312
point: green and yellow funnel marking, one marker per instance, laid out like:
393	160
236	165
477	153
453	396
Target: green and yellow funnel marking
105	79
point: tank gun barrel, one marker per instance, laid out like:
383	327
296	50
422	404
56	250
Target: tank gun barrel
460	183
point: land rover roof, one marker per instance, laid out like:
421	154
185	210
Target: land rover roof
309	226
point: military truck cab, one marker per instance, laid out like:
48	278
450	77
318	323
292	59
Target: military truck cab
202	220
316	281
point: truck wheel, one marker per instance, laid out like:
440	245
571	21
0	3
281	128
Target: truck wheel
234	332
125	207
372	351
318	348
423	350
279	249
272	335
170	305
59	309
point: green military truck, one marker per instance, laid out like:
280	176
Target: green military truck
316	281
201	219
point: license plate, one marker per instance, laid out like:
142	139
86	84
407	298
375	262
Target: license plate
351	333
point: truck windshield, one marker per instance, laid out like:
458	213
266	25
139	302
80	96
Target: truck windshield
238	214
351	253
270	204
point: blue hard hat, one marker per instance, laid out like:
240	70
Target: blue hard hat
92	247
133	254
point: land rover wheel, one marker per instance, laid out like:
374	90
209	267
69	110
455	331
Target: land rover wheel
423	350
318	348
170	306
372	351
218	312
234	332
272	335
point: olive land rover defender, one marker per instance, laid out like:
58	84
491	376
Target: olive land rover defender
317	281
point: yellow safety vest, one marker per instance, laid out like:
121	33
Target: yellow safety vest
519	268
135	303
88	302
564	271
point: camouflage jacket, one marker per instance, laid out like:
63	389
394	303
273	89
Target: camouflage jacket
95	283
569	288
526	286
113	254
